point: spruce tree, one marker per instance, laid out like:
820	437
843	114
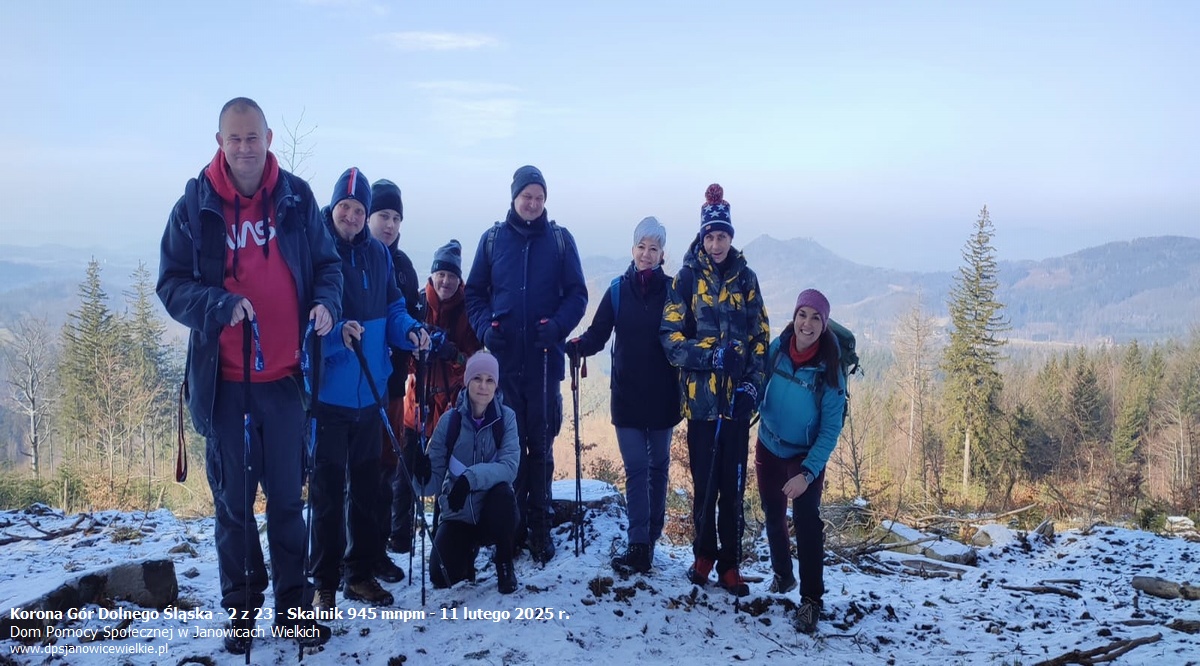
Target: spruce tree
973	382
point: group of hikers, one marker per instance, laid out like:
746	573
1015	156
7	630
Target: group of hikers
317	355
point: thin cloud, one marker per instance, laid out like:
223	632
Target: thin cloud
438	41
375	7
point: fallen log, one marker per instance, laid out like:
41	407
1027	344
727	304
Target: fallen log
1101	654
1043	589
1165	589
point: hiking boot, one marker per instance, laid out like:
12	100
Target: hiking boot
308	633
782	584
239	637
542	549
369	592
506	578
635	558
400	545
806	616
698	572
387	571
733	583
325	601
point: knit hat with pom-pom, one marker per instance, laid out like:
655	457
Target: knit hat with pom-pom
714	214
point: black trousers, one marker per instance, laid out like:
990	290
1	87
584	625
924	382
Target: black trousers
718	465
457	542
347	463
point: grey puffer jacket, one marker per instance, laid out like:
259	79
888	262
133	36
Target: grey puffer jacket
476	454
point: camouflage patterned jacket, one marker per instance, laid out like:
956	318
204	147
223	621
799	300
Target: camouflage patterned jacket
705	310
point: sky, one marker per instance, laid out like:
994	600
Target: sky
878	129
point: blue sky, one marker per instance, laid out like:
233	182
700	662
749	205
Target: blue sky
876	128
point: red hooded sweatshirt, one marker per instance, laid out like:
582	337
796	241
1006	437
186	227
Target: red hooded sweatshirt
255	268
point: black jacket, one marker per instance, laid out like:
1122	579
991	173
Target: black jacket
406	279
645	388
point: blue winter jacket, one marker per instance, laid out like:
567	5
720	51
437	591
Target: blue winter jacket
371	297
792	423
528	280
475	453
202	303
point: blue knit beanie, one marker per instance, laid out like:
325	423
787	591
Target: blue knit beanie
526	176
386	195
714	214
352	184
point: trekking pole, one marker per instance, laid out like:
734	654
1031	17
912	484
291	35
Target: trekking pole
422	415
362	362
312	378
709	490
249	524
577	517
544	482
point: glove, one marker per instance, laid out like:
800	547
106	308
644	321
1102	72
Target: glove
728	359
547	334
458	493
448	351
494	340
744	401
573	350
422	469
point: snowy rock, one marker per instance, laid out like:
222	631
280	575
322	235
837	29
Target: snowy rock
993	534
597	495
1176	524
934	547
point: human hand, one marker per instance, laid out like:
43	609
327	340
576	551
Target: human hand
419	338
728	359
494	340
243	310
795	486
458	493
745	399
422	469
548	334
351	332
321	319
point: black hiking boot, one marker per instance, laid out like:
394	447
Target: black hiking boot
541	549
733	583
807	615
240	636
387	571
369	592
636	558
506	578
782	584
399	544
698	572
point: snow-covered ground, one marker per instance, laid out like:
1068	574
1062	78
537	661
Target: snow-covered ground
575	610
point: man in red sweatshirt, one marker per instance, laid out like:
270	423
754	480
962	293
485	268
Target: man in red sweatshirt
246	244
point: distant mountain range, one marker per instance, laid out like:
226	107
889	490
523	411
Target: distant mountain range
1146	289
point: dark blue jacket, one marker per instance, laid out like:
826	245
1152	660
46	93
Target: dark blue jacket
410	286
527	280
371	297
205	306
645	387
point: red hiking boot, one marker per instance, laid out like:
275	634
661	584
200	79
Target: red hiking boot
698	572
732	581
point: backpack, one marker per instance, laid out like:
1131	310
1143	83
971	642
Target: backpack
454	429
848	361
559	236
614	292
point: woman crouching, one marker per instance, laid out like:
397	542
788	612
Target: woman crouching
471	465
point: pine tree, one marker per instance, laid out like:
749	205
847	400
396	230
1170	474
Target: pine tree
973	383
89	339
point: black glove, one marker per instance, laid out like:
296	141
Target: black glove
494	340
728	359
448	351
458	493
744	400
573	350
547	334
422	469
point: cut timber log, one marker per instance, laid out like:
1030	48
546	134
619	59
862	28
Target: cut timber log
149	583
913	541
1165	589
